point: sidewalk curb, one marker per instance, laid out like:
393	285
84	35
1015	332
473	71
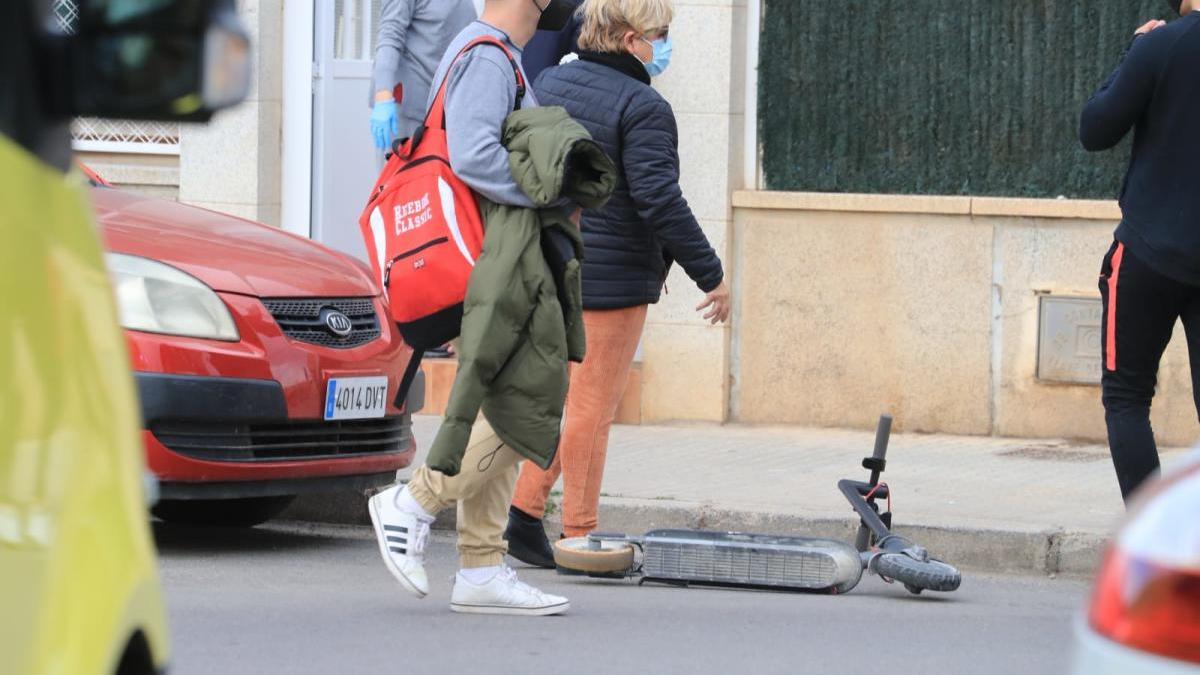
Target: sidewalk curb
1049	552
1009	551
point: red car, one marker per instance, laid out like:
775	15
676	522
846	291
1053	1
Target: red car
265	362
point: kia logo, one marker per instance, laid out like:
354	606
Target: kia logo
337	323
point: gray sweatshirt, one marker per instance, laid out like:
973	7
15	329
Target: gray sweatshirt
413	35
481	93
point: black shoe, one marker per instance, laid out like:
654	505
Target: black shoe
527	540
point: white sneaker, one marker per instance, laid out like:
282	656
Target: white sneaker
504	594
402	537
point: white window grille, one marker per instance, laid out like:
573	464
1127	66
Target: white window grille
90	134
356	33
120	136
66	12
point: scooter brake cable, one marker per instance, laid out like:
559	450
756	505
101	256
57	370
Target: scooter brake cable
876	489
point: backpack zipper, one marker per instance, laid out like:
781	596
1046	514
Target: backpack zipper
422	160
387	273
406	167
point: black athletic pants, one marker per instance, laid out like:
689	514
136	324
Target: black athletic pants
1140	310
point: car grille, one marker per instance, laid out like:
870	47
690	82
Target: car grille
241	442
300	319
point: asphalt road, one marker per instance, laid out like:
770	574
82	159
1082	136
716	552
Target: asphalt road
307	599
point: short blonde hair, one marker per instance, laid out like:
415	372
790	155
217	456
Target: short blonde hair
605	22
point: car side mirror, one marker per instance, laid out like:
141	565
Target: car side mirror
176	60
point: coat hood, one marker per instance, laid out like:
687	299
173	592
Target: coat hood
552	156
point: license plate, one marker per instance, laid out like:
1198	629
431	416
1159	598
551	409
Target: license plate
355	398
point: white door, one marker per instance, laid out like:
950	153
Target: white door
329	160
345	162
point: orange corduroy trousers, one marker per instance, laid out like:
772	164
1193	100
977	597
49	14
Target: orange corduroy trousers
595	392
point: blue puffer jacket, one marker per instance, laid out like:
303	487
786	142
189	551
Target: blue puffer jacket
630	243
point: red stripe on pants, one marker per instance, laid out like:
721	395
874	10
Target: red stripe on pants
1111	328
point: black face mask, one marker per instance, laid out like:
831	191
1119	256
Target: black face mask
555	14
1175	5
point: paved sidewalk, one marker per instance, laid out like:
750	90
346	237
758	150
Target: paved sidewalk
1004	505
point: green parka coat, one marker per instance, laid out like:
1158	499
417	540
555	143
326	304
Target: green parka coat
519	326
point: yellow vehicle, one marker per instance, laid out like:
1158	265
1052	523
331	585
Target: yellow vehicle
79	589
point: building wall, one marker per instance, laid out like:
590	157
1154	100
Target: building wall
685	361
927	307
150	175
233	164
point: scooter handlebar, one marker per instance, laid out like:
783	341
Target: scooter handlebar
882	433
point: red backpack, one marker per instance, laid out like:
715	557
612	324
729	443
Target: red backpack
423	230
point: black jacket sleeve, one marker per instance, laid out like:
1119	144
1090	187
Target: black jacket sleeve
1116	107
650	157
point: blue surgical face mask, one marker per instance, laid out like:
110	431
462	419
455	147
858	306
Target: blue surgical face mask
661	58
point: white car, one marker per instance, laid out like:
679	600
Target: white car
1144	617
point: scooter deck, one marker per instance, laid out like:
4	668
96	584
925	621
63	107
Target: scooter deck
749	560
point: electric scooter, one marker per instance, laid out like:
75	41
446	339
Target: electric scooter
699	557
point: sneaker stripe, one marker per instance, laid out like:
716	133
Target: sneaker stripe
406	568
397	540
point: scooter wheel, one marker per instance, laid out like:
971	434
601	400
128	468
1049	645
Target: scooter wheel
577	553
930	575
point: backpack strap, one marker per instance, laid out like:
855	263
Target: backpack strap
410	374
437	111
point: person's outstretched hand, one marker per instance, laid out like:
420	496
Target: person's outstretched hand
384	124
1149	26
718	303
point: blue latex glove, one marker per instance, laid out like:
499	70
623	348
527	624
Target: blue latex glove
384	124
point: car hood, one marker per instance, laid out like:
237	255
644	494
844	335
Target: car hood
227	253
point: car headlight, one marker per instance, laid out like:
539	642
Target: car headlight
158	298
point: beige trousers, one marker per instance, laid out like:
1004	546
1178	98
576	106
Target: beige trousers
482	490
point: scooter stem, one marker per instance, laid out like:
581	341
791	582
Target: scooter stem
877	462
882	434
